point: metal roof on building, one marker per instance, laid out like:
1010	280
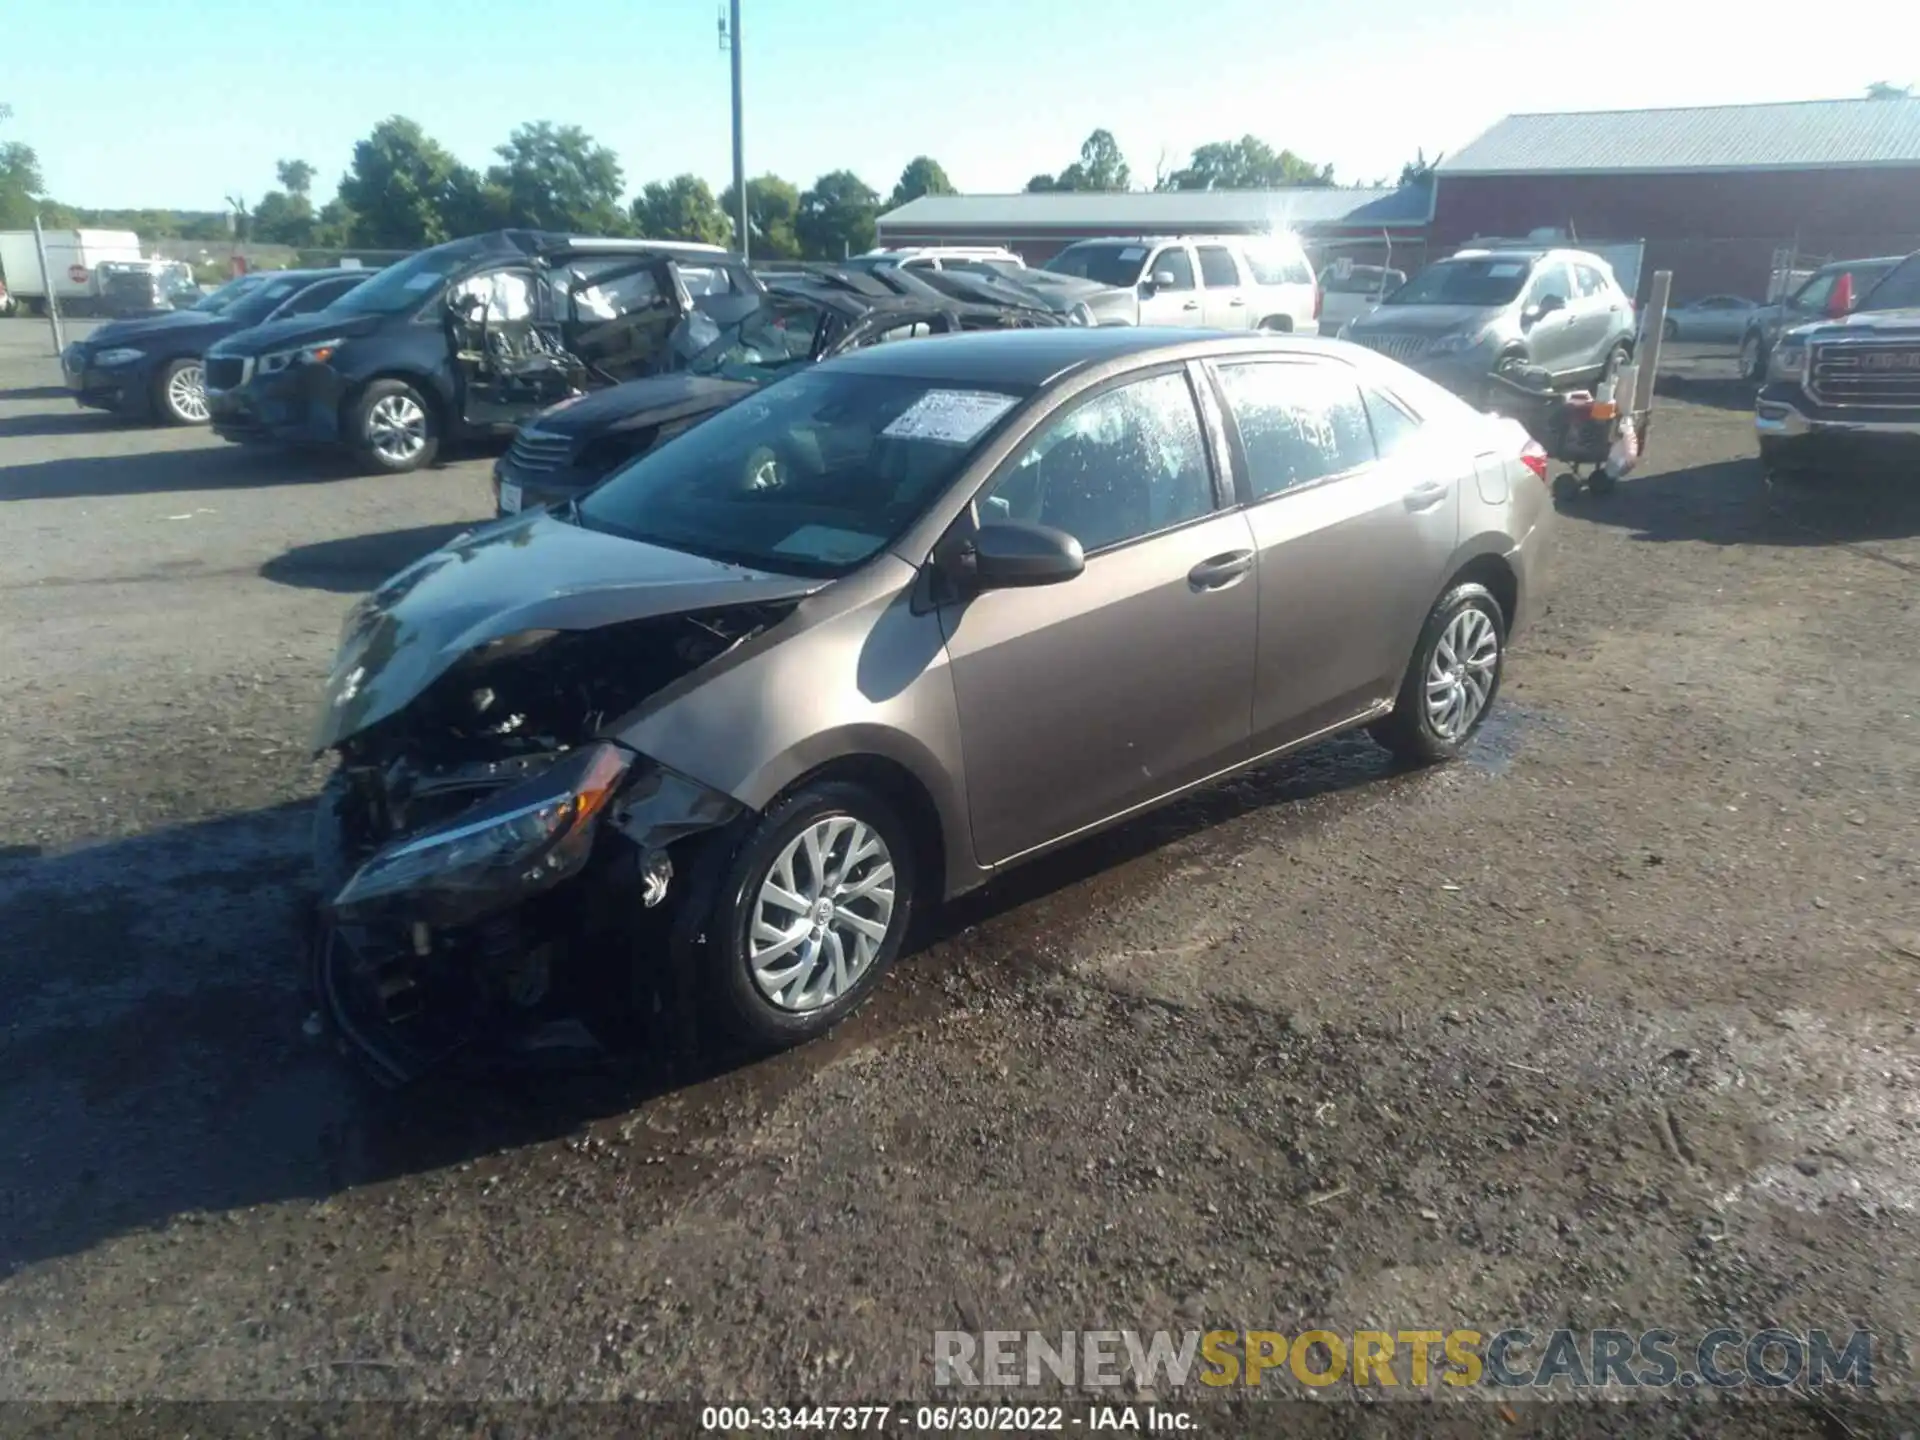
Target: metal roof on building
1197	211
1792	136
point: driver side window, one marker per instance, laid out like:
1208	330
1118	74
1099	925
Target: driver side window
1552	280
1173	262
1124	464
1814	296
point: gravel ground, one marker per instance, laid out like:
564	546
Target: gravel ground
1612	1025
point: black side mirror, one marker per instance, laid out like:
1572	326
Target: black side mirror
1010	554
1548	304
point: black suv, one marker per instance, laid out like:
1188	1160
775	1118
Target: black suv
809	314
1847	390
467	339
1817	296
151	367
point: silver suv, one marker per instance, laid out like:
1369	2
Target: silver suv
1478	311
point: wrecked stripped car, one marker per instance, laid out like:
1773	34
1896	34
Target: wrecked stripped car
807	316
703	742
467	339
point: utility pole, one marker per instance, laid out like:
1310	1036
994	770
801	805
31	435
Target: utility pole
730	42
46	287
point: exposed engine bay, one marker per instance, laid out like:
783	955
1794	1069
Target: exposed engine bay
494	869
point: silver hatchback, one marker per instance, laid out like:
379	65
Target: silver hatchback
1478	311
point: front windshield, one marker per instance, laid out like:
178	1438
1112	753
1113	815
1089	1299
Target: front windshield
811	476
1899	288
400	287
223	299
257	304
776	336
1108	262
1481	284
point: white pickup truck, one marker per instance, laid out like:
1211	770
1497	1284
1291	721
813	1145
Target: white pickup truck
74	258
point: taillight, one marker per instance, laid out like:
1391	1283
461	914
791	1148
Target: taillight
1318	296
1534	457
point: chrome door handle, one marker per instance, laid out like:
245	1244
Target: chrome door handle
1236	301
1221	570
1425	497
1191	305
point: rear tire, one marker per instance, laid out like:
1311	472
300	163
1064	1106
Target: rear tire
1616	360
392	429
1669	331
1452	681
1277	325
785	973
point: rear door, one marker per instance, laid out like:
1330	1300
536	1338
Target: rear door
508	357
317	296
1352	533
1223	300
1552	339
1177	302
617	314
1598	304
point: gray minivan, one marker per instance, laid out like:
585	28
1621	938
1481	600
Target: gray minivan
1462	318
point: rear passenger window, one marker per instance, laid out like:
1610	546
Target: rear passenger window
1394	428
1275	264
1216	267
1592	282
1298	423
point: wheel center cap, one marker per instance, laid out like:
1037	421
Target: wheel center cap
822	913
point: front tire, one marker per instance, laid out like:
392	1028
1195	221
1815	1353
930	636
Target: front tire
1452	680
1753	357
1670	331
392	428
180	393
814	909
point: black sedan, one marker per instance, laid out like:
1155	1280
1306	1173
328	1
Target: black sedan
808	315
149	367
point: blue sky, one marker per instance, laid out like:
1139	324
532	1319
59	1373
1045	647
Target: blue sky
161	102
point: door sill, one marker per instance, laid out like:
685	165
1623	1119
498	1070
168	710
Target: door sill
1353	722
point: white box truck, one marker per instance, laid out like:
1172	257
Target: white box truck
73	264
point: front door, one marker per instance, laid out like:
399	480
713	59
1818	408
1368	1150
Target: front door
1551	337
1353	535
1083	700
1177	301
1223	301
508	358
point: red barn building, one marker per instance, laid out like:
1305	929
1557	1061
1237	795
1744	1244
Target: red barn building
1723	195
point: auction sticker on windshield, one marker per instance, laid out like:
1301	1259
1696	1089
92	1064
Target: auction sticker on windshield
1504	272
949	417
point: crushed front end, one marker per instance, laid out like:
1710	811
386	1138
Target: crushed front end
499	879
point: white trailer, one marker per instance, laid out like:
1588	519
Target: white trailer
73	263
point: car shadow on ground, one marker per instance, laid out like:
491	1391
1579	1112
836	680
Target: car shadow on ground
1731	502
158	1065
63	422
160	471
360	562
36	392
1715	392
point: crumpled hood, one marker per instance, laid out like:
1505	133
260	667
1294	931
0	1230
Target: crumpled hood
1425	319
527	572
166	324
653	401
298	330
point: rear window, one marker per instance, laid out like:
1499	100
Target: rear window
1276	264
1898	290
1479	283
1107	262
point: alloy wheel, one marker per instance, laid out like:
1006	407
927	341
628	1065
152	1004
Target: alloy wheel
397	428
1750	357
822	914
187	394
1460	674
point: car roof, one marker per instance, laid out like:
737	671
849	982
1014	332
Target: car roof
1856	264
1036	357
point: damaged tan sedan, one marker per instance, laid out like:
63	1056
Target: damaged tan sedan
706	740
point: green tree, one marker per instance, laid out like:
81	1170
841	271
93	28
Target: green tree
1419	170
399	187
295	176
682	208
772	204
22	186
923	176
1042	183
836	216
1248	163
283	219
1886	90
1101	166
557	177
333	227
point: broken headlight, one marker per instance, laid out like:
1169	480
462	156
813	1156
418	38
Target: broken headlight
316	353
526	839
